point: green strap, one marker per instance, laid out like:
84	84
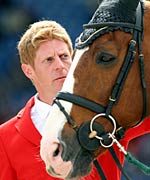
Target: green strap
141	166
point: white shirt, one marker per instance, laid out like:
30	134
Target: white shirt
39	113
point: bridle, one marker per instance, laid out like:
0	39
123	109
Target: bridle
117	89
91	134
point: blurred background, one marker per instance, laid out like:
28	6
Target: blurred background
15	88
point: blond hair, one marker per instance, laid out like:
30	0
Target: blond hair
37	33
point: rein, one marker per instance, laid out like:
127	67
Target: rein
91	135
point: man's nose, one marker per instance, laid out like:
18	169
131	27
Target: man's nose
58	63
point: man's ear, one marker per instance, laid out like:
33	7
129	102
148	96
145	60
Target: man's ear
28	70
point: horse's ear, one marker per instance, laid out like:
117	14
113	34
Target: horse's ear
130	4
99	1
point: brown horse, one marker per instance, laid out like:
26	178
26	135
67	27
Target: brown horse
107	90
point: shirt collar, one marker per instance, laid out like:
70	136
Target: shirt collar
42	108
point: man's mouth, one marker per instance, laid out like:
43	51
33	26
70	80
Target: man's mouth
60	78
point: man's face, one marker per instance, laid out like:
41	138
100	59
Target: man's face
51	66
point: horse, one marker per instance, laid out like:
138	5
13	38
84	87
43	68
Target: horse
106	92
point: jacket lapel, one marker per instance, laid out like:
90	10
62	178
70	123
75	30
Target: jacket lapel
25	125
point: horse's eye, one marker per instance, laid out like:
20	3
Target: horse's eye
105	57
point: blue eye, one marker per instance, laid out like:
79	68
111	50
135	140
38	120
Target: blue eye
64	57
49	59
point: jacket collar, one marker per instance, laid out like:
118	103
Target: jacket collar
25	125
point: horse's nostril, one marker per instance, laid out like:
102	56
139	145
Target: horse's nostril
56	152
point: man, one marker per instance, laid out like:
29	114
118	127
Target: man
45	53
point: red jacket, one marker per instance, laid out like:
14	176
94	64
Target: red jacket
20	147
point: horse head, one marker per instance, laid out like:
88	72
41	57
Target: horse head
105	91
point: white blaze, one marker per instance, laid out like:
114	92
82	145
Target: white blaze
56	119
